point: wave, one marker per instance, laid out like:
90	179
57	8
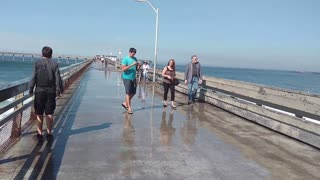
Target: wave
3	104
5	114
6	102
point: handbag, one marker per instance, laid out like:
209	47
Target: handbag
176	81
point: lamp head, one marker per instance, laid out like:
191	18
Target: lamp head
141	0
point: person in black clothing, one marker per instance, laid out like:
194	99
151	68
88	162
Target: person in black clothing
46	78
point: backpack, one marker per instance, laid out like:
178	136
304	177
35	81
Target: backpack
45	75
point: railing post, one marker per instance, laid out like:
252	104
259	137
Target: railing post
23	57
2	56
32	58
202	91
12	57
68	60
16	126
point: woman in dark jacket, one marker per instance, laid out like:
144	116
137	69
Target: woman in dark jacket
169	73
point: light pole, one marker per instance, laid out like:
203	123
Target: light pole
156	10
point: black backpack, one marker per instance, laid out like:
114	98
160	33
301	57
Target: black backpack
45	76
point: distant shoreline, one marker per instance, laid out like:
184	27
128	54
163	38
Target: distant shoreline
243	68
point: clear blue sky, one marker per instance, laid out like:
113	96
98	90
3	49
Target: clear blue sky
268	34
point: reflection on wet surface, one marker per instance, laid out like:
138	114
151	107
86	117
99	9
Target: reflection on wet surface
166	129
96	139
189	127
127	150
142	94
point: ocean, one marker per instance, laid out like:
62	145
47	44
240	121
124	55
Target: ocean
292	80
13	70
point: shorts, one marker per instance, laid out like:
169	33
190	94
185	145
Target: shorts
130	86
44	102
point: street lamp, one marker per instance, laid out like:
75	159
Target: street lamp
156	10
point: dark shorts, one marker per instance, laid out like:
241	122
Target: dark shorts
130	86
45	102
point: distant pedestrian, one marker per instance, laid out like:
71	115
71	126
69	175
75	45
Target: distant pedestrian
169	73
46	78
145	69
129	67
193	77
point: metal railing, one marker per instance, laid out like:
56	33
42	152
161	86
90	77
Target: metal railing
17	113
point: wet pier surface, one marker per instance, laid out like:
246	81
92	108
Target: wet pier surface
96	139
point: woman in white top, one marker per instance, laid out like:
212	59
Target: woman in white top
145	68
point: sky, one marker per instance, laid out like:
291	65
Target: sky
263	34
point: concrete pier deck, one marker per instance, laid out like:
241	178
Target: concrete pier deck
96	139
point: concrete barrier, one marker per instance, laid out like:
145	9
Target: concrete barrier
284	111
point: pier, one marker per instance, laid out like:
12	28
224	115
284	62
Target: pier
234	131
13	56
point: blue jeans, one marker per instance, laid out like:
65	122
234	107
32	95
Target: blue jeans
145	75
193	88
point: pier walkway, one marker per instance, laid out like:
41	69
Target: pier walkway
96	139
